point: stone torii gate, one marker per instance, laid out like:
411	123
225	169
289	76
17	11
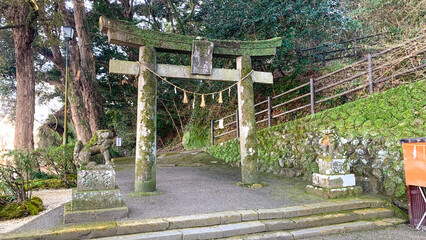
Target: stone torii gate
202	52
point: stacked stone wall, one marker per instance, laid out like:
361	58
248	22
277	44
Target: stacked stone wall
366	132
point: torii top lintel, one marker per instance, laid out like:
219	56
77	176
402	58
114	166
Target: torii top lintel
124	34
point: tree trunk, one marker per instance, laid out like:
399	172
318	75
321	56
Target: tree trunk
78	111
91	96
24	15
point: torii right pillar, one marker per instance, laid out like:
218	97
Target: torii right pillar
248	139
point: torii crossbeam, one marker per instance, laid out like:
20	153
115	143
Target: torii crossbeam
202	51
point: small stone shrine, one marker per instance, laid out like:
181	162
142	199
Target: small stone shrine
334	179
97	197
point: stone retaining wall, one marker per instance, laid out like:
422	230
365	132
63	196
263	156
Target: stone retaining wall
366	132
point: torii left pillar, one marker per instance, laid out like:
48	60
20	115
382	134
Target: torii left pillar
146	137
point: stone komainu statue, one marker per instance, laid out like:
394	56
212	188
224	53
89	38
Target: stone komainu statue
99	143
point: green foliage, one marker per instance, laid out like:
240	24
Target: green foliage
196	137
52	183
18	166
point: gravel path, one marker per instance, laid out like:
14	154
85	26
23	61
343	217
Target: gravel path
52	199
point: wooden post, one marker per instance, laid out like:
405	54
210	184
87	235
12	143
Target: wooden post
269	111
247	122
212	132
237	123
355	52
370	73
323	55
312	81
145	162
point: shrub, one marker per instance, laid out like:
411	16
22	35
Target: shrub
15	172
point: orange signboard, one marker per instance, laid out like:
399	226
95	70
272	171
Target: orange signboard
415	163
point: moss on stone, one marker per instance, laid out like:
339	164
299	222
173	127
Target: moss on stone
365	129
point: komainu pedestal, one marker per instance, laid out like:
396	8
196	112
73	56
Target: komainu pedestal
96	198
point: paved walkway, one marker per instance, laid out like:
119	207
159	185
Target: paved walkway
193	183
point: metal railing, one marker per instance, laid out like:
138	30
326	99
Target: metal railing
318	85
345	49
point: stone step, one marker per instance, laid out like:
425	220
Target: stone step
214	220
316	232
260	226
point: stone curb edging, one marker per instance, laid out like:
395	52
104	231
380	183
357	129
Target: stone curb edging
296	225
323	230
105	229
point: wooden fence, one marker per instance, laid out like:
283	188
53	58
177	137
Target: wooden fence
308	94
344	49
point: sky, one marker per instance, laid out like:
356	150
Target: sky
42	111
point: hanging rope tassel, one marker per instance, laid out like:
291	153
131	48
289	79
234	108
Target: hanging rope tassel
185	98
175	90
213	96
229	93
203	103
220	98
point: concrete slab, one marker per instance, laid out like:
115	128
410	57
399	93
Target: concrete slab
248	215
242	228
141	226
200	220
165	235
201	233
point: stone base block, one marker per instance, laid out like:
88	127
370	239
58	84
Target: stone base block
94	215
91	200
333	166
98	177
333	181
334	192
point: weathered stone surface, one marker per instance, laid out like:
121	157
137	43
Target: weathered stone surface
184	72
90	200
279	225
263	236
248	215
164	235
94	215
324	207
374	213
369	184
355	204
247	121
201	233
242	228
98	177
229	217
269	213
141	226
146	132
334	192
200	220
201	57
125	34
314	221
333	166
325	230
389	222
333	181
295	211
